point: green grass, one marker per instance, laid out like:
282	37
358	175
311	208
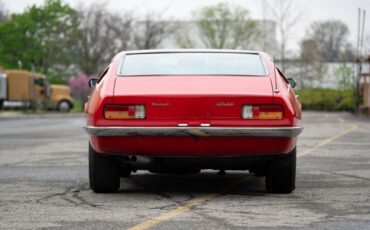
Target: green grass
78	107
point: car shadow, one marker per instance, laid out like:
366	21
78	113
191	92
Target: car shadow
233	183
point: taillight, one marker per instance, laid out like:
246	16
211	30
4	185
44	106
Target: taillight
262	112
124	111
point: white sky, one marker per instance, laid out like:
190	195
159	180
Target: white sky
312	10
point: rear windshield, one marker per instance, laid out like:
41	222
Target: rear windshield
192	64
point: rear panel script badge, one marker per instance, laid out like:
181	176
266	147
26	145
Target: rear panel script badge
224	104
161	104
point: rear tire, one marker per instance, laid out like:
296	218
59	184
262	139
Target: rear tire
104	172
124	169
281	174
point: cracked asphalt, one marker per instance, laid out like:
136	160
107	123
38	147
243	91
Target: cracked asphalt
44	183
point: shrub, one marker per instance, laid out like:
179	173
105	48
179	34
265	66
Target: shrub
79	87
326	99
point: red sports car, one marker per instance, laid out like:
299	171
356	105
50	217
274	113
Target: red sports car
181	111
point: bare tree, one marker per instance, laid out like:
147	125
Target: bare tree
312	64
182	33
149	33
287	16
101	34
221	26
331	38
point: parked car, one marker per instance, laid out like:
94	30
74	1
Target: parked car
181	111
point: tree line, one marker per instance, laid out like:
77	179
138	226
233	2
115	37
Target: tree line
61	41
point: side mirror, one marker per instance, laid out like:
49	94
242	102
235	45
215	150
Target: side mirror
92	82
292	82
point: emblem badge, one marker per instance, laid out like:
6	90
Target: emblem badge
224	104
160	104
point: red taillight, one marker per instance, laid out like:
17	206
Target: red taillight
267	112
124	112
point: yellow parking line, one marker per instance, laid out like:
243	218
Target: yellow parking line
329	140
200	200
168	215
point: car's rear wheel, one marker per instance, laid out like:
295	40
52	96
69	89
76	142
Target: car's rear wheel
281	174
124	169
104	172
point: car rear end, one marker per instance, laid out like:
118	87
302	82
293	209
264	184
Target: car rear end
174	114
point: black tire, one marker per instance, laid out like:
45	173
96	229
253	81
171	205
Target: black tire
103	172
125	169
1	104
281	173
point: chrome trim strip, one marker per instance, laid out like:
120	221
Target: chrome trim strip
195	131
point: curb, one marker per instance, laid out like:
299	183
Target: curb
20	115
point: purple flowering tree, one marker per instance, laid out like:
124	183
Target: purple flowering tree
79	87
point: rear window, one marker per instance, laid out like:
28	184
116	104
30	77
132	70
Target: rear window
192	64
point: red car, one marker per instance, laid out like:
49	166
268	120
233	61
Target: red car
181	111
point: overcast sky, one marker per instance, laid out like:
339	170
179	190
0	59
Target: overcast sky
312	10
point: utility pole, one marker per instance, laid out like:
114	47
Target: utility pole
360	44
264	24
357	59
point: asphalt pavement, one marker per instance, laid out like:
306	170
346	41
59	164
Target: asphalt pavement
44	184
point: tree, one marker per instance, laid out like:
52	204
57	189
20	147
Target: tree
149	33
221	26
79	87
39	39
100	35
347	80
331	38
286	15
3	12
181	35
312	64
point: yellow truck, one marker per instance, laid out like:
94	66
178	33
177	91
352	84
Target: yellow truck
22	88
60	99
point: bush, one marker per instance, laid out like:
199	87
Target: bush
326	99
80	87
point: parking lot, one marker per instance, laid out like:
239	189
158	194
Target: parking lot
44	184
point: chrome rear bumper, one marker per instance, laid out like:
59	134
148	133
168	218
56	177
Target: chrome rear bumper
195	131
